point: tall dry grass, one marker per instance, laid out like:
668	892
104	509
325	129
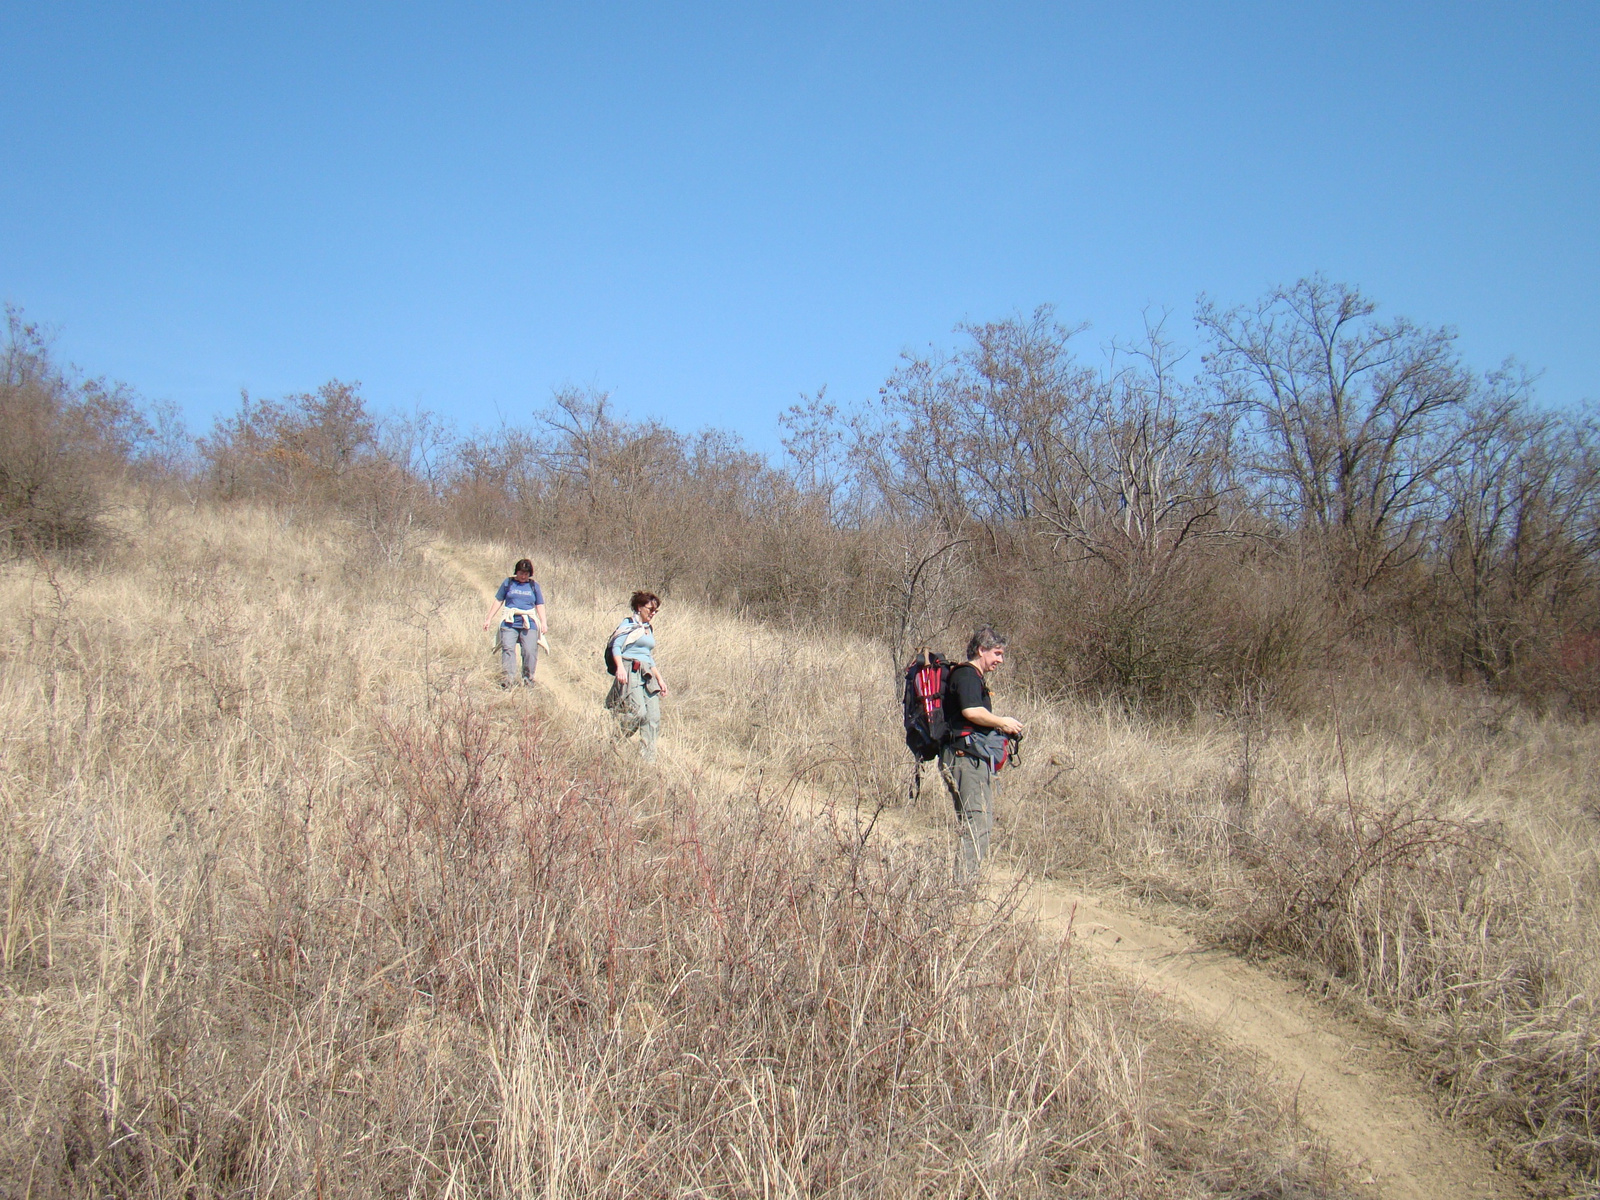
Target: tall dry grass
297	903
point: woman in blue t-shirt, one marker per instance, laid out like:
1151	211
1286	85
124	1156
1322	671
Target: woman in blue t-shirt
636	691
524	622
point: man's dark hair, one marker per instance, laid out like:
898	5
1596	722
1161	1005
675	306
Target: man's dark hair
984	637
640	599
523	564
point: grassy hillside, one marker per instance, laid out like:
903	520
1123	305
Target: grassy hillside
297	902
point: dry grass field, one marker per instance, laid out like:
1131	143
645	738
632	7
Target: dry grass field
297	902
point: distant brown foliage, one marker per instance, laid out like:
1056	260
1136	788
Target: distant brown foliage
1323	484
64	446
325	451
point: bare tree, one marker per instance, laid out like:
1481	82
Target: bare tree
913	452
585	438
927	587
303	449
975	438
816	440
617	468
492	482
1141	474
418	443
1517	545
1351	417
166	462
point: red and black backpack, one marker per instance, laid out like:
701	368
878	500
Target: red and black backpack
923	696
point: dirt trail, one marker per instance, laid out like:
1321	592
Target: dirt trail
1346	1087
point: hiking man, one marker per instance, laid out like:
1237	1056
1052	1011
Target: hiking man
977	747
524	625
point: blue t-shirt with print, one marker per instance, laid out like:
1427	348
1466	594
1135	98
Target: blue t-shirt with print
521	596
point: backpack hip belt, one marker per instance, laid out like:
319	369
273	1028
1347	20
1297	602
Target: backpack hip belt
988	746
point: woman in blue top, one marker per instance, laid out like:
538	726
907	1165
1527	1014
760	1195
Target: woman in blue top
524	622
636	692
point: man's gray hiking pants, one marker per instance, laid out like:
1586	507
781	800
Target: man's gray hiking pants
971	784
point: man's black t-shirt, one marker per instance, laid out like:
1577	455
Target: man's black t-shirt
964	689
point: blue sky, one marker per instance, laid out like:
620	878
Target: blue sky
709	209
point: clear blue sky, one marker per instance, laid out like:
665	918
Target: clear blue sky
708	209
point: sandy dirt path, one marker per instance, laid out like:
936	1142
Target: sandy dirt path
1347	1087
1344	1085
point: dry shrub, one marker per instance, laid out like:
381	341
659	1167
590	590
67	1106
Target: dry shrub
1356	887
1536	1071
1203	633
64	445
1436	921
49	494
1424	850
322	453
677	1000
692	516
